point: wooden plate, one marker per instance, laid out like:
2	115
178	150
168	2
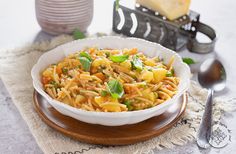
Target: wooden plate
105	135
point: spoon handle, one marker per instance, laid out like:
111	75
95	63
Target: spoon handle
204	132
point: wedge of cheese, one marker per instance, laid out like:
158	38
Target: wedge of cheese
172	9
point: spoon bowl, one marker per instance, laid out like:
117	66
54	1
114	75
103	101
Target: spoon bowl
212	75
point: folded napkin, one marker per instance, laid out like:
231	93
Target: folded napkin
15	67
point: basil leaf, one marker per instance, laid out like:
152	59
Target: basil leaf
107	54
119	58
86	55
77	34
137	63
85	60
115	95
128	104
170	73
64	70
188	61
85	63
115	88
103	93
56	85
117	4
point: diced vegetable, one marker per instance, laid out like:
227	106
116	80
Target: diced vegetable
100	76
159	74
126	64
80	98
46	80
111	107
130	51
150	62
99	100
91	50
101	62
147	75
59	70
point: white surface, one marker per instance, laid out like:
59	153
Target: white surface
116	118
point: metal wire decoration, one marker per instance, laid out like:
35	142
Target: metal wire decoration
144	23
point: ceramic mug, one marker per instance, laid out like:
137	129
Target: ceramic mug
64	16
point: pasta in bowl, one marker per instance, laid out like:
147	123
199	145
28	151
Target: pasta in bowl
111	83
111	80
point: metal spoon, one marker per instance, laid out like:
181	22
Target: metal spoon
213	77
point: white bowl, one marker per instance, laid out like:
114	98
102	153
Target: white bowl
111	118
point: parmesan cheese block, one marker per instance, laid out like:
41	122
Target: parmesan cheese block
172	9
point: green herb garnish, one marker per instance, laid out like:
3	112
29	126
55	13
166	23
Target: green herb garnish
137	63
77	34
188	61
85	62
128	104
115	88
52	82
64	70
107	54
119	58
86	55
55	85
104	93
170	73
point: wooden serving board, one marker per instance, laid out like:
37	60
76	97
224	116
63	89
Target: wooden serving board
106	135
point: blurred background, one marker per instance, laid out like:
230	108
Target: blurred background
18	22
